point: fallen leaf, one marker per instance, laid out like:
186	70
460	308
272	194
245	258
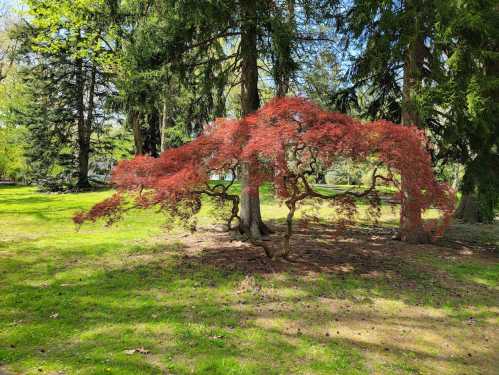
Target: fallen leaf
140	350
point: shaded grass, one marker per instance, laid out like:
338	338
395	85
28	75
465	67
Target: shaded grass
73	302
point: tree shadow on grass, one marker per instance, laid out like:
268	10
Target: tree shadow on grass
224	308
364	259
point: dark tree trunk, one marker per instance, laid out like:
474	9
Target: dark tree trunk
138	137
413	65
411	223
152	139
83	158
146	132
469	209
164	126
473	207
83	127
284	61
251	218
250	99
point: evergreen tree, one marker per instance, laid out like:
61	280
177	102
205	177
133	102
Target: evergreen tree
395	62
466	95
64	54
167	89
434	64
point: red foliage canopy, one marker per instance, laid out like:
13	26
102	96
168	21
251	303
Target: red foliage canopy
284	142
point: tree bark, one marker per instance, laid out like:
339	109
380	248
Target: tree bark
83	130
469	209
251	219
284	62
250	99
164	125
411	223
138	137
152	139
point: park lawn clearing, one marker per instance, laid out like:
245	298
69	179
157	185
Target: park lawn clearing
133	299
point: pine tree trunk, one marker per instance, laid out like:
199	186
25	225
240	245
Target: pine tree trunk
251	218
283	68
153	144
411	222
164	125
138	137
469	209
83	131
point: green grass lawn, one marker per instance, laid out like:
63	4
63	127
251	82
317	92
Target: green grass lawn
80	302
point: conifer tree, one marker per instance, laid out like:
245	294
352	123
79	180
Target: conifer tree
64	54
434	64
466	96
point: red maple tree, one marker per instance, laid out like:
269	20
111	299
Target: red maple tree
285	142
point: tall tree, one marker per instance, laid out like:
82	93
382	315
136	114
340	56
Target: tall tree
66	51
284	30
393	65
251	218
466	95
7	45
168	88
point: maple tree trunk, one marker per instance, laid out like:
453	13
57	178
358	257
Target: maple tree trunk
411	223
251	218
289	228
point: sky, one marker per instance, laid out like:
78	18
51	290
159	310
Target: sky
9	5
7	11
9	2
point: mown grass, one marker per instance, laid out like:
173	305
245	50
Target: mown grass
72	302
